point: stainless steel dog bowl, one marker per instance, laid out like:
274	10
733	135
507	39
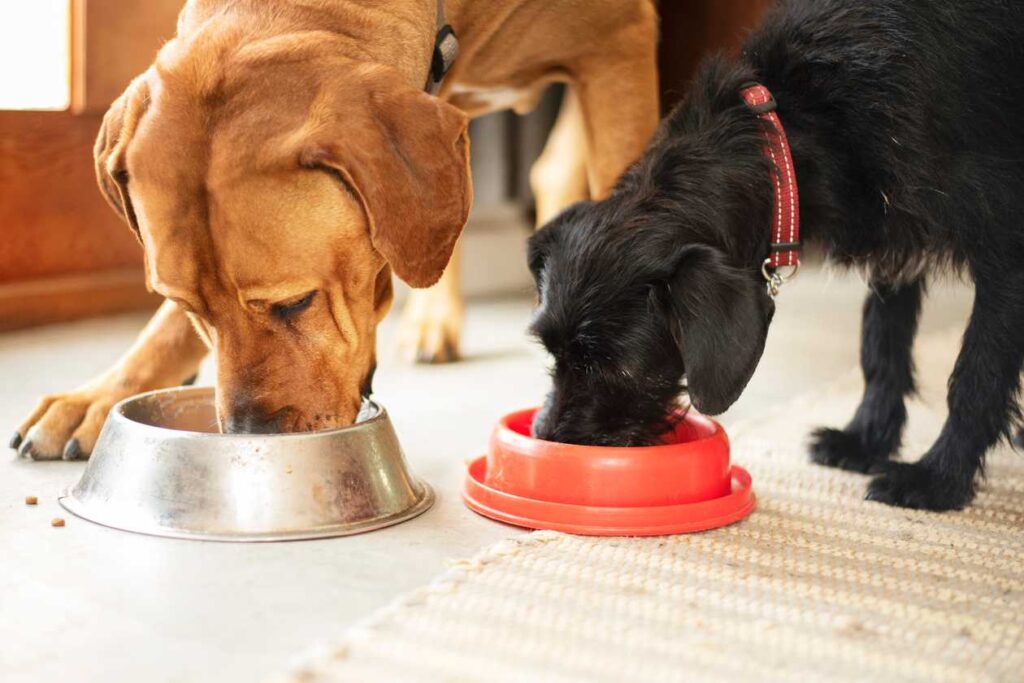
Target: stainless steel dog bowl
161	467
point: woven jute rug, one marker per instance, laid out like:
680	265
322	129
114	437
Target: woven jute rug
817	584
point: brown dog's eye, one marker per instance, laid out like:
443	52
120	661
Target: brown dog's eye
290	309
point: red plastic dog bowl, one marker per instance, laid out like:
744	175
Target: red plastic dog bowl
684	485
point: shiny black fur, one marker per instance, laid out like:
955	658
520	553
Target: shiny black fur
904	118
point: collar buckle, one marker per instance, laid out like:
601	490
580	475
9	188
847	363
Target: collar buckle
775	278
446	49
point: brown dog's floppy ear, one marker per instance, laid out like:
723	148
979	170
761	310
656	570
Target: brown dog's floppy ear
118	127
720	318
405	154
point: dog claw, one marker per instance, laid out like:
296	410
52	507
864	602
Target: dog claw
72	450
25	450
15	440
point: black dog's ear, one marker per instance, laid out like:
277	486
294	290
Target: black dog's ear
719	317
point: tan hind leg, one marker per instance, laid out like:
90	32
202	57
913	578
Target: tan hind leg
618	102
558	177
431	325
618	91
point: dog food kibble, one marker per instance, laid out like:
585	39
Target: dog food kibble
57	521
31	500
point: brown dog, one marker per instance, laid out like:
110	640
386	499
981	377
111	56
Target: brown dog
279	160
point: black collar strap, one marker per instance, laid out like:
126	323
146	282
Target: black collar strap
446	49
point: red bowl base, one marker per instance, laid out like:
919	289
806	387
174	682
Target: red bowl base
608	521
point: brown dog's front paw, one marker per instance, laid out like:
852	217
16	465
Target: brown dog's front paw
431	327
65	425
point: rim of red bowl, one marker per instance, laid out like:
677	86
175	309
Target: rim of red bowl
526	444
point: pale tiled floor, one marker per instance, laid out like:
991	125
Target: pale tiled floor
87	603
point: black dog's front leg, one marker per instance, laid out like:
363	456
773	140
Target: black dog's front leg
887	338
982	402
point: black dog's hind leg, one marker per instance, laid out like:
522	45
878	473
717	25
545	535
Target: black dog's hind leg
982	400
887	339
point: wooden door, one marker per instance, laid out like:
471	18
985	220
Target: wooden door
63	253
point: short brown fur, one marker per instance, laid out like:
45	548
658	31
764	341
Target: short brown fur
274	149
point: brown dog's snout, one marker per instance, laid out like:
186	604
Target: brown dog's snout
250	417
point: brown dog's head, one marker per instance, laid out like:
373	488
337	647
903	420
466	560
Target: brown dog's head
274	191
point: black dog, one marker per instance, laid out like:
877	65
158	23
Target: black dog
904	119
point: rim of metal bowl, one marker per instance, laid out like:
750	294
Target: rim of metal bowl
117	413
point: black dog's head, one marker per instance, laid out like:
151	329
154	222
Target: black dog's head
633	315
658	289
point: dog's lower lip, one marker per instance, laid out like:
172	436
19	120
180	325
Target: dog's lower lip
274	420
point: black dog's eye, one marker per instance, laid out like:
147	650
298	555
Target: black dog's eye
290	309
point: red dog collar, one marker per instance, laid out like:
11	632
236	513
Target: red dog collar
784	249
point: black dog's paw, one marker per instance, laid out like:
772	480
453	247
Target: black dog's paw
838	448
919	487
